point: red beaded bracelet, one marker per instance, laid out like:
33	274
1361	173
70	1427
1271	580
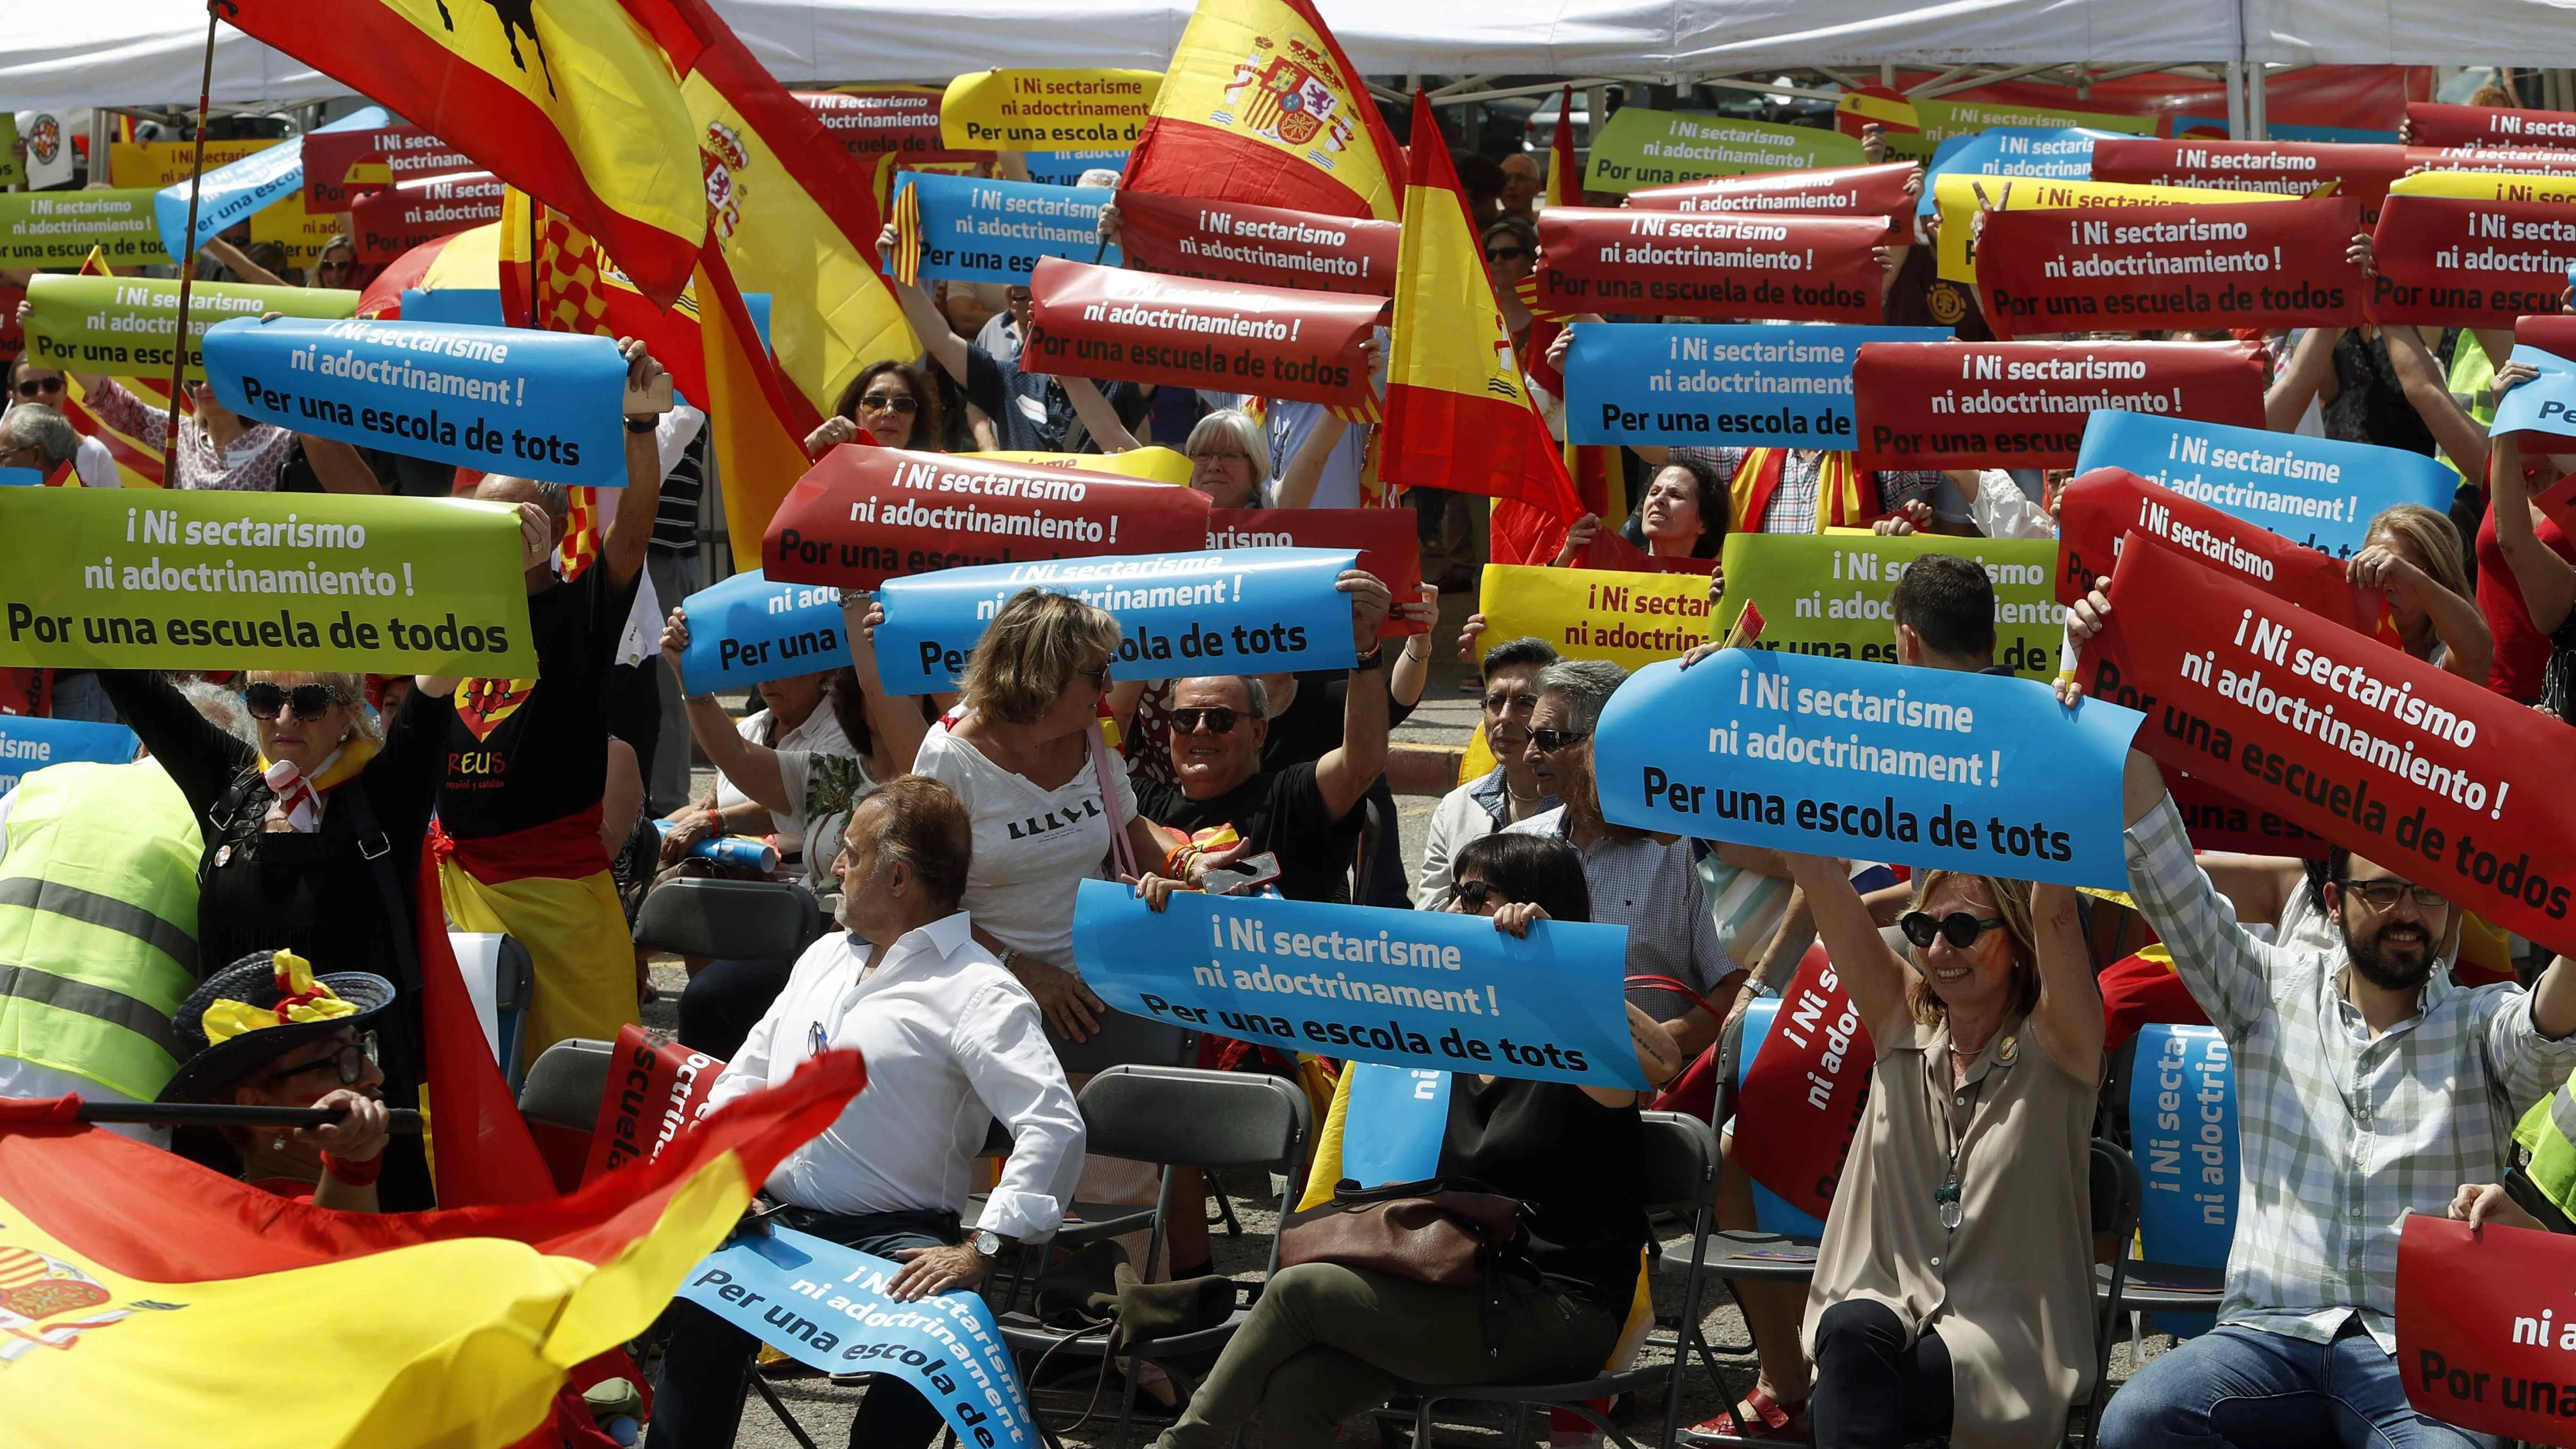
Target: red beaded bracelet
353	1174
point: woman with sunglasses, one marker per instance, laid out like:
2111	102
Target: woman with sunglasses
891	403
1953	1291
267	1032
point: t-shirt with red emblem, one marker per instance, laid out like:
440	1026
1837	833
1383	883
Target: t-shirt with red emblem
528	752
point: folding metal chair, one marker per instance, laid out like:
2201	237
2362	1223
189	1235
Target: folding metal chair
740	920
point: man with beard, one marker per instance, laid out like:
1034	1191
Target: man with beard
2370	1085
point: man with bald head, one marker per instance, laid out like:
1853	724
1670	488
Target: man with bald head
1309	813
527	759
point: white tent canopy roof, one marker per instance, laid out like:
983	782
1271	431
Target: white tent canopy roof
143	52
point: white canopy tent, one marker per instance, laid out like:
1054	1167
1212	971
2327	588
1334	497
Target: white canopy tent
2410	32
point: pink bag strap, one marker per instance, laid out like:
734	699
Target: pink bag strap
1120	851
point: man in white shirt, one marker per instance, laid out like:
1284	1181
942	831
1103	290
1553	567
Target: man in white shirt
952	1042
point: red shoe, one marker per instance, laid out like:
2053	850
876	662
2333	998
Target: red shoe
1757	1418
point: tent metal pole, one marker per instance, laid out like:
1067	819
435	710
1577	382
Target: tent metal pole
2236	100
2255	84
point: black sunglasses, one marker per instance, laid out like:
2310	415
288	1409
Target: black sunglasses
309	701
350	1061
889	402
1476	892
1962	929
2383	895
1098	676
33	386
1218	718
1551	741
1509	254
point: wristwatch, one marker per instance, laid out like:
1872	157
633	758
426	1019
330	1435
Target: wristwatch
988	1244
1370	660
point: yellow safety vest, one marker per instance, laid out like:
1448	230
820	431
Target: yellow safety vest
98	922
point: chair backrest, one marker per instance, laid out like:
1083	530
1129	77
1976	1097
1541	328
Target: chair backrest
1185	1117
742	920
1126	1040
2116	1194
565	1084
1681	1162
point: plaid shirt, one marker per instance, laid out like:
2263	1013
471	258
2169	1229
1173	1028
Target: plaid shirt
1793	503
1652	889
2340	1135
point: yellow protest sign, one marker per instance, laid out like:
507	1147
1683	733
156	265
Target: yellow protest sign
303	233
2487	186
1154	465
1047	110
1955	195
1829	593
1632	620
157	164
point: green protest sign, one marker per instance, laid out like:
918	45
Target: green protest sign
121	325
58	228
113	579
1938	121
1828	593
1640	147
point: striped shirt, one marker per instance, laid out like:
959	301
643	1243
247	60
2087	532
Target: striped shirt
1793	503
675	514
2340	1134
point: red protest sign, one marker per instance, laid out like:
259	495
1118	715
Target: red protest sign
1389	544
864	515
2459	262
2432	124
878	120
1267	246
1802	1098
2216	820
2023	404
2405	764
1790	268
653	1094
1871	191
13	340
2528	160
408	153
2280	265
1608	550
2279	168
2100	511
1272	342
2483	1330
386	224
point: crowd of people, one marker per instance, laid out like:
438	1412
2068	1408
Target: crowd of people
235	918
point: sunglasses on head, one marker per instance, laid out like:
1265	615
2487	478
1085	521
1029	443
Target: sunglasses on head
1959	928
1551	741
1218	718
38	386
889	402
309	701
1508	254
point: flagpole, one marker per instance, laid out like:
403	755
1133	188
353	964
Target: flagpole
188	263
220	1114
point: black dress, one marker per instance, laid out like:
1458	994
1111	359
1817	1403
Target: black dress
1575	1164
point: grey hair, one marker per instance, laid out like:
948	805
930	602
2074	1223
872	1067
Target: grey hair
221	708
1237	424
556	497
1585	685
34	424
1256	695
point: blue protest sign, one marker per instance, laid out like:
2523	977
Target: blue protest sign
29	743
2547	403
973	230
1403	988
463	306
1842	757
2315	492
1719	385
825	1306
747	629
544	405
1394	1124
1240	611
2182	1116
21	478
232	194
1063	168
2048	153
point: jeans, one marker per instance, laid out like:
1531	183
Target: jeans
666	788
2257	1390
1873	1390
725	1000
1325	1342
697	1403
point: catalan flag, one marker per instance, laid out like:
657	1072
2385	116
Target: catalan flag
145	1300
138	465
1457	413
576	102
1259	105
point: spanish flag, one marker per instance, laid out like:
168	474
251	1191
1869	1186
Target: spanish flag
147	1301
1260	105
1457	413
757	421
792	213
573	101
1520	533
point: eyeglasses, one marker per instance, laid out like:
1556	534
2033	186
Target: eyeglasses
1476	893
309	701
350	1061
889	402
2383	895
1551	741
1213	456
1099	675
1218	718
39	386
1498	701
1958	927
1508	254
